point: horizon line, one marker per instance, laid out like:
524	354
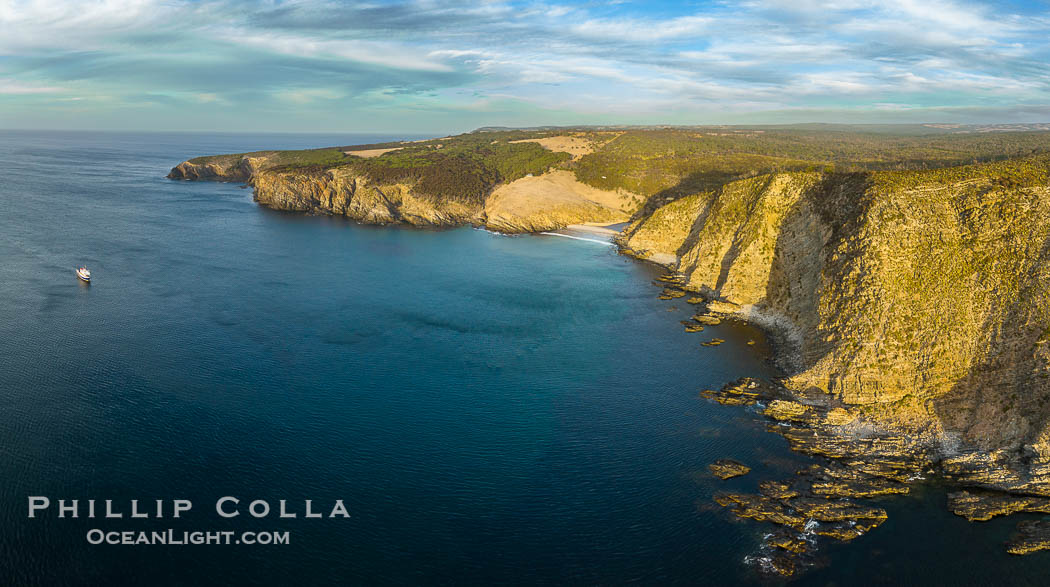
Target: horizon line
539	127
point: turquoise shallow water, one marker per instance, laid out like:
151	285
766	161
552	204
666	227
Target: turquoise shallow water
491	409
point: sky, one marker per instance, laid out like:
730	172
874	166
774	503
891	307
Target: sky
436	66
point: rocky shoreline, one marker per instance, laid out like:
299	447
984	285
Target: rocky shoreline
858	459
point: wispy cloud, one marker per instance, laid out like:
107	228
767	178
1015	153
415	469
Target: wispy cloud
383	54
644	30
447	65
308	95
13	87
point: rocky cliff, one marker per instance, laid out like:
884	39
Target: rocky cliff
918	301
531	204
342	192
221	168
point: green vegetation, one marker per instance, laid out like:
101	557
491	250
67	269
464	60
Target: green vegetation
309	158
1010	174
464	170
670	163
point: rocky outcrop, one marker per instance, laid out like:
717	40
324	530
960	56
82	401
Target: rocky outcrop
980	506
802	518
1031	536
221	168
821	502
728	468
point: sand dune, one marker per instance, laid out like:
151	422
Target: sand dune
575	146
550	200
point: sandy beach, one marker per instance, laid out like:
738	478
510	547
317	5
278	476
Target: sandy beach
609	230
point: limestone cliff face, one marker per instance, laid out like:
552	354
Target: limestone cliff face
917	300
341	192
532	204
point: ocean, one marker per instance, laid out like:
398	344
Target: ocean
489	409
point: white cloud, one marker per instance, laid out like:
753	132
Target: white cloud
644	30
383	54
306	96
10	86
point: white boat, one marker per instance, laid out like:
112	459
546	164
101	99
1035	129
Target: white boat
84	274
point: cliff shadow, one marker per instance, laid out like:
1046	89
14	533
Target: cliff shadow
802	271
1004	400
737	244
694	183
698	225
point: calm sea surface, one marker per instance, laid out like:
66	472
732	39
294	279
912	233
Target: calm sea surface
491	409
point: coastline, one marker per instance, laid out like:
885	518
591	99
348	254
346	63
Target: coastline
869	453
549	199
827	501
861	458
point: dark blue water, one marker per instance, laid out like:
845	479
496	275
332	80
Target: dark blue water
490	409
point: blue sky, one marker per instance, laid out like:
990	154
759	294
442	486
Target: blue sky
438	66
